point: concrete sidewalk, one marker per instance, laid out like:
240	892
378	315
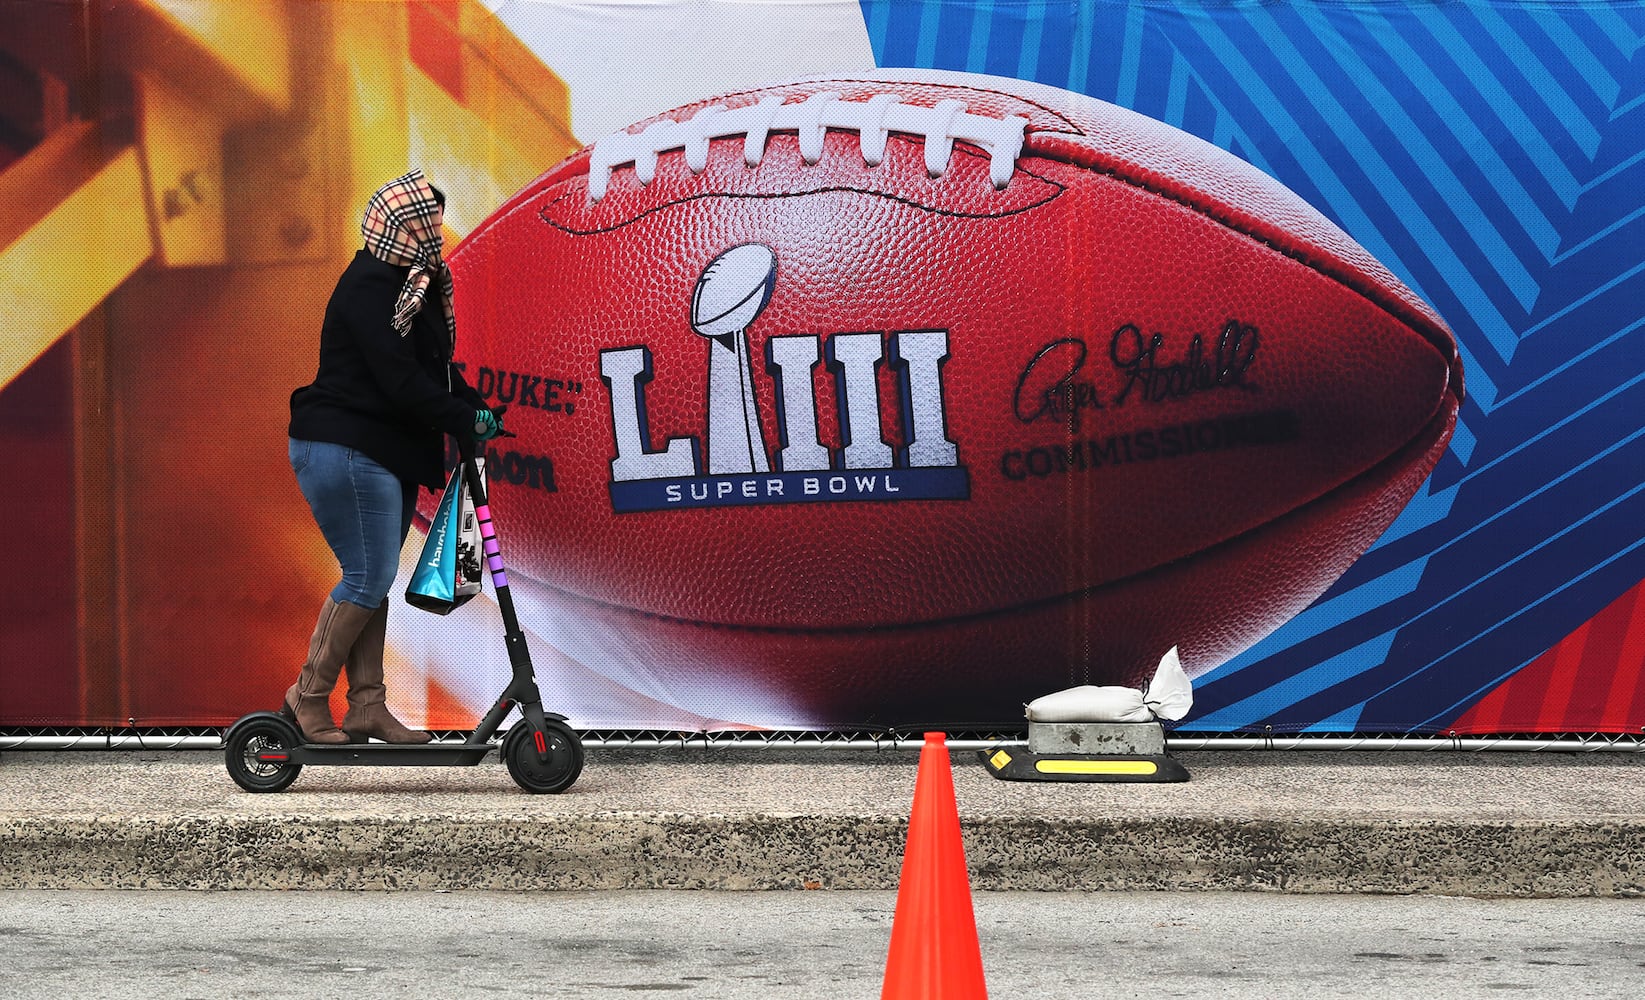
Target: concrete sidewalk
1370	822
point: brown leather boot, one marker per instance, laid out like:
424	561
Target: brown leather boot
308	701
368	713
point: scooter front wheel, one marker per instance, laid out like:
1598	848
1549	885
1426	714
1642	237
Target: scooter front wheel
547	767
257	751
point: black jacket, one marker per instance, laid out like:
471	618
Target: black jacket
378	392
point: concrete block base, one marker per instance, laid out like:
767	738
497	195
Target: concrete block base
1136	739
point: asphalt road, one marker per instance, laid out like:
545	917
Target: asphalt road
825	944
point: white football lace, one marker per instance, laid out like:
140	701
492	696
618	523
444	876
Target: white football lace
873	120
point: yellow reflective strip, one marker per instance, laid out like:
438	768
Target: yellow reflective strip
1055	766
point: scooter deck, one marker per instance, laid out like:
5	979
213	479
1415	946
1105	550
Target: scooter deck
388	754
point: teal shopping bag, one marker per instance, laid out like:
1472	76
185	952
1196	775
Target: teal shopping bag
447	574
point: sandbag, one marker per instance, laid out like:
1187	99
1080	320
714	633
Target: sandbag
1168	696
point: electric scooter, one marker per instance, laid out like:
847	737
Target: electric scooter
265	751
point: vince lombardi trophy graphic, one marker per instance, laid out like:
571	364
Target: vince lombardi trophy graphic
732	291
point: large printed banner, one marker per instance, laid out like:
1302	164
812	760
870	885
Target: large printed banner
951	378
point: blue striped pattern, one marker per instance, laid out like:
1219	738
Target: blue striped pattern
1492	154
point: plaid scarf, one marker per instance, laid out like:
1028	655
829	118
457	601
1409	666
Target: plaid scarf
400	229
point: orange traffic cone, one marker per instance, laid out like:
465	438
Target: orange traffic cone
934	950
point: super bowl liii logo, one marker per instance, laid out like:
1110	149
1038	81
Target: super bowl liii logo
740	468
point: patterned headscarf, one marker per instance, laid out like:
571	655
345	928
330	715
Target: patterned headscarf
401	228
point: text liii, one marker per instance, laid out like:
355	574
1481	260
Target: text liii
732	464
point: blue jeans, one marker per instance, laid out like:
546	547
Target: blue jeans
364	512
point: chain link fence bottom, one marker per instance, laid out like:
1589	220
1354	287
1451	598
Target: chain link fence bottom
211	738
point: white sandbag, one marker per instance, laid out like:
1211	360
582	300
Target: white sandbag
1169	696
1089	703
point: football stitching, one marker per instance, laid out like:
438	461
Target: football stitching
543	212
873	121
1400	310
1059	116
1345	275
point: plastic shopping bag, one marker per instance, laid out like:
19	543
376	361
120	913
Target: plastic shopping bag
448	571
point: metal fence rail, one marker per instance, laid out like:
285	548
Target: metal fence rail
211	738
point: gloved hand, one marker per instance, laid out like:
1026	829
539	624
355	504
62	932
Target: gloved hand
487	425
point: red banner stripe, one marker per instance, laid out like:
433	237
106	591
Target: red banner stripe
1626	704
1570	664
1588	682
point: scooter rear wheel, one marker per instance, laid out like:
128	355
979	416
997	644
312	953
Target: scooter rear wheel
257	754
553	770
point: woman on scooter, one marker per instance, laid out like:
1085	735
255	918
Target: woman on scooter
365	434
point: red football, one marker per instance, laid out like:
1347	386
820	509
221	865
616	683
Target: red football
914	396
